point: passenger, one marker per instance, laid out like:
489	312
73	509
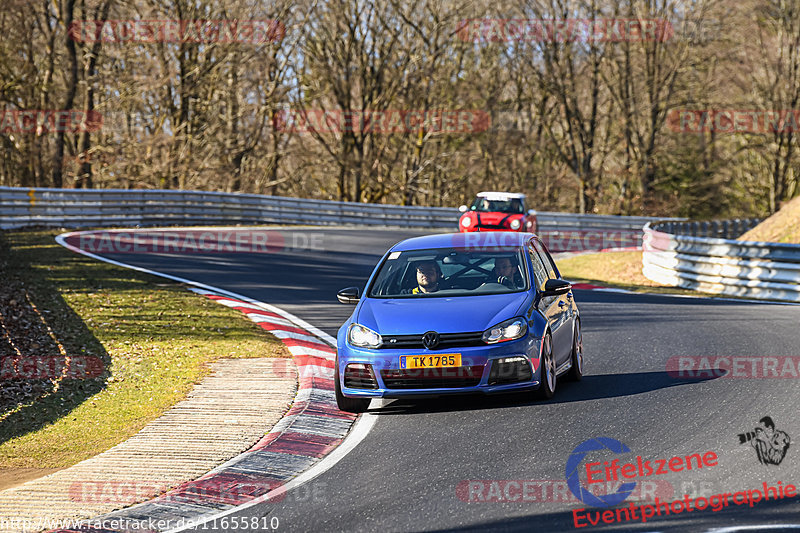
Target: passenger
506	272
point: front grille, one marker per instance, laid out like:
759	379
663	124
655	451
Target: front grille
503	373
446	340
491	226
359	376
433	378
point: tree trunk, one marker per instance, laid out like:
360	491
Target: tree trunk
72	87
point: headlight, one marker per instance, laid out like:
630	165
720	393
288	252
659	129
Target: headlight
515	224
466	222
358	335
509	330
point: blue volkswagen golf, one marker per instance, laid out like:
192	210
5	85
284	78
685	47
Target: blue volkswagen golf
458	313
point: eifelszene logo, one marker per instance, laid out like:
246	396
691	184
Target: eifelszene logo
770	444
573	467
615	471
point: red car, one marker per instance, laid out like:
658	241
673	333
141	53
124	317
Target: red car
497	211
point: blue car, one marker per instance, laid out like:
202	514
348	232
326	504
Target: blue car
458	313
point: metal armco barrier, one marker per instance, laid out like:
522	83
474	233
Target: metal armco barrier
762	270
722	229
75	208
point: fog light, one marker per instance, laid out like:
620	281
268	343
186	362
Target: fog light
510	370
359	376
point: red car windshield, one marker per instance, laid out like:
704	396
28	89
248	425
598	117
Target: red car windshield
512	205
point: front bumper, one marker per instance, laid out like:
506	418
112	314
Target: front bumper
480	358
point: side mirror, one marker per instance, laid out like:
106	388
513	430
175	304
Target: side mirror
532	212
350	295
554	287
463	208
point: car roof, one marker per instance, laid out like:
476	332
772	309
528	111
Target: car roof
496	195
475	239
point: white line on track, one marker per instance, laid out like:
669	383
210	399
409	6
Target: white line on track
761	527
297	320
357	433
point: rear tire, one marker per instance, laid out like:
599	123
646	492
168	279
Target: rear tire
576	372
349	405
547	376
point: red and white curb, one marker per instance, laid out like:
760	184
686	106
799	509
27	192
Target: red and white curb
310	430
308	440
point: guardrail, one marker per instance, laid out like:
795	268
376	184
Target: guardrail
21	207
762	270
721	229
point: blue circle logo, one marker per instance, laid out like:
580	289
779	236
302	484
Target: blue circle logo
576	459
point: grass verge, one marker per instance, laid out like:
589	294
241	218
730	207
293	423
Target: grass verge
621	270
780	227
155	340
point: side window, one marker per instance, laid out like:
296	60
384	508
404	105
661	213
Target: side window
539	271
552	271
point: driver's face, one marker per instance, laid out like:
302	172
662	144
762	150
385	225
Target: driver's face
427	275
503	267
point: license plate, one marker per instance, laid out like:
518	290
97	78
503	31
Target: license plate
441	360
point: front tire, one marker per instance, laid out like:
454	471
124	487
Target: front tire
547	378
576	372
349	405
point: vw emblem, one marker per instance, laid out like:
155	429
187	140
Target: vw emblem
430	340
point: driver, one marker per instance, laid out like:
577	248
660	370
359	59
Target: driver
429	277
504	272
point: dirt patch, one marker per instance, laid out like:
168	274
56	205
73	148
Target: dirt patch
11	477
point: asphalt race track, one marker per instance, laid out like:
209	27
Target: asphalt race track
405	474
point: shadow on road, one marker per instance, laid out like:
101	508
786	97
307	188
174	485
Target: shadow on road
595	387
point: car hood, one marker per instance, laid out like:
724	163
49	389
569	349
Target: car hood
407	316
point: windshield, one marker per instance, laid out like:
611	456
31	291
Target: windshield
450	272
512	205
